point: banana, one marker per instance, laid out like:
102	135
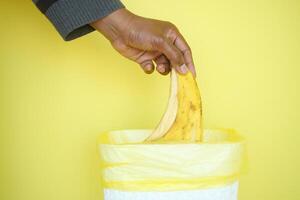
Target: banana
182	120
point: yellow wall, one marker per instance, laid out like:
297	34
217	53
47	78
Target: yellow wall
56	97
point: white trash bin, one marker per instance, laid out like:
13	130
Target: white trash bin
133	170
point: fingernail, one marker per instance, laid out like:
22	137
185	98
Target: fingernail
148	68
161	69
183	69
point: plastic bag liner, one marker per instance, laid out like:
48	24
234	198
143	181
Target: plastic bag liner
130	165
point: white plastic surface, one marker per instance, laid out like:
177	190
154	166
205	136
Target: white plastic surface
228	192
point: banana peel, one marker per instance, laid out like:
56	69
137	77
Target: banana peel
182	120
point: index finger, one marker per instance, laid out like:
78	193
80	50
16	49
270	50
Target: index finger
185	49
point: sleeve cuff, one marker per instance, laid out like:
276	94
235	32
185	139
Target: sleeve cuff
71	18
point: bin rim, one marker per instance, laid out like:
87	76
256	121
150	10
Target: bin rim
149	166
233	137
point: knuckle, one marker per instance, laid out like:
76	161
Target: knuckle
180	59
170	32
159	42
187	51
177	55
177	60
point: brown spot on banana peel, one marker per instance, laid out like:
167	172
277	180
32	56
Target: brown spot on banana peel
192	106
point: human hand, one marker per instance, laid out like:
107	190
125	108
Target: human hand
146	41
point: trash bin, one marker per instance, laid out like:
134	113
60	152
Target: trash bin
135	170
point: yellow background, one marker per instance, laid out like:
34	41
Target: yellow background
56	97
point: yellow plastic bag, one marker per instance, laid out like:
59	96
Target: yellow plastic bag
131	165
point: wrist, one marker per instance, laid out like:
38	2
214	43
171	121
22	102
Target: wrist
114	25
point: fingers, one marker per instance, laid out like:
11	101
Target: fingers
147	66
162	44
143	58
162	64
181	44
173	54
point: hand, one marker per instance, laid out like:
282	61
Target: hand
146	41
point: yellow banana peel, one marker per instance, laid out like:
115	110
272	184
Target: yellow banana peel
182	120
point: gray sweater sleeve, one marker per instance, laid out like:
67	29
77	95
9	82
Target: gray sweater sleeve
71	18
